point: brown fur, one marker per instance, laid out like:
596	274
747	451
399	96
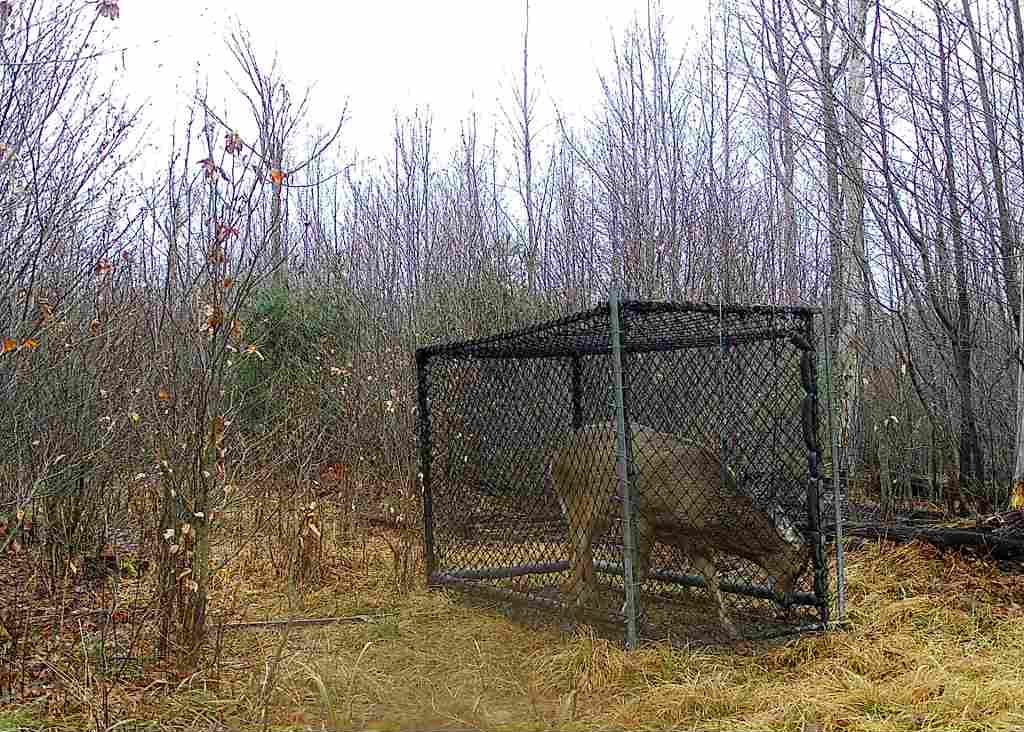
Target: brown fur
683	503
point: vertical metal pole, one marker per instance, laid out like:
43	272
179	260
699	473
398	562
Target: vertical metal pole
423	420
625	473
834	446
814	529
809	378
577	397
816	483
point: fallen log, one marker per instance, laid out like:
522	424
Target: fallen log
999	546
1009	523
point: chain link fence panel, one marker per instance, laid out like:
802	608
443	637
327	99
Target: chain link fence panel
523	502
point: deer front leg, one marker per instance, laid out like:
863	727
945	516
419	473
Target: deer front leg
706	567
586	550
645	545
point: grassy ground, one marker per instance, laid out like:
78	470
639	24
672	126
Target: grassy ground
933	643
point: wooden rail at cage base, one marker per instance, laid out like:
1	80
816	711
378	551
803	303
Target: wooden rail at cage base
804	599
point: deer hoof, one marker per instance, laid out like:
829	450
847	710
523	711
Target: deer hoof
640	616
576	595
730	629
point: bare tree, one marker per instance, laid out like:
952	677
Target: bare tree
1017	490
851	274
66	220
935	223
524	138
995	159
277	119
773	71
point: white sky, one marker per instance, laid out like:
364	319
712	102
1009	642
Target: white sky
382	56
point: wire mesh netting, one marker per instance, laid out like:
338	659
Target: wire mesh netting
523	501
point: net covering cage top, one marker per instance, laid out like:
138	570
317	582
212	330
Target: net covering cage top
646	326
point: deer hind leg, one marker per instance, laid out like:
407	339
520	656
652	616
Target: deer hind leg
582	584
586	563
645	545
706	567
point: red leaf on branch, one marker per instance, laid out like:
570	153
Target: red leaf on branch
109	9
224	232
211	169
232	143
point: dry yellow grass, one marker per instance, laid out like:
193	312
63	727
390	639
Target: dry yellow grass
932	643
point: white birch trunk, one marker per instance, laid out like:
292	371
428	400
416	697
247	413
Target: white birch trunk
1017	489
852	285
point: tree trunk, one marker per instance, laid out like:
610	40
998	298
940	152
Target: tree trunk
789	232
971	465
884	473
831	135
1006	247
1017	489
972	468
527	192
276	239
850	275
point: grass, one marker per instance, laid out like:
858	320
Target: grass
17	719
933	643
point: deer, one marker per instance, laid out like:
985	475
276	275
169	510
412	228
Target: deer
684	499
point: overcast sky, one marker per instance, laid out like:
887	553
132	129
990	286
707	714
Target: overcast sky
381	56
